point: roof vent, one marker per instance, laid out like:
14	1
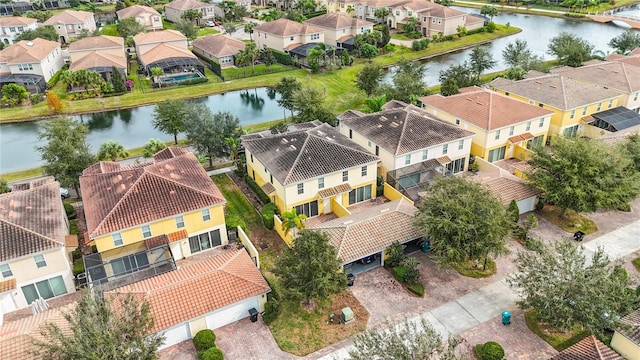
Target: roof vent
293	147
284	141
469	99
29	43
384	210
552	86
394	124
347	222
538	82
383	118
379	126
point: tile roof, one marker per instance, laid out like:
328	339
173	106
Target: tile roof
299	155
633	332
177	235
332	191
371	230
608	74
117	198
437	10
219	45
556	90
336	21
520	138
631	59
69	17
589	348
198	288
165	51
484	108
32	220
8	285
16	21
153	37
286	27
268	188
443	160
404	130
508	189
96	59
135	10
28	51
97	43
186	4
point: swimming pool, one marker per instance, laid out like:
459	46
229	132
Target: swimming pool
179	78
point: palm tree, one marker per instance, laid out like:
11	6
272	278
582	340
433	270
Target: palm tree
350	10
381	13
152	147
291	220
320	51
233	145
248	28
111	150
67	77
252	52
157	72
374	104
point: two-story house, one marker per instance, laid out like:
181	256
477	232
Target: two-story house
142	218
30	63
70	23
33	257
286	35
100	54
311	168
632	59
503	126
12	26
340	30
221	49
173	11
570	100
414	147
166	49
145	15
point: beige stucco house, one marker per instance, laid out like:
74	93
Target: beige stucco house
219	48
173	10
12	26
33	233
70	23
145	15
285	35
30	63
339	29
98	53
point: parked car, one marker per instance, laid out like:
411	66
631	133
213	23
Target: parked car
210	23
64	193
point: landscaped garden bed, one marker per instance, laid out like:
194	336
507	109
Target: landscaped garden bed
571	222
558	339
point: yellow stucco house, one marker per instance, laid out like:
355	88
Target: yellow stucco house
503	126
627	341
311	168
571	100
144	217
33	257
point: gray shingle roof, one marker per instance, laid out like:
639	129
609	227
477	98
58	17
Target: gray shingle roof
299	155
403	130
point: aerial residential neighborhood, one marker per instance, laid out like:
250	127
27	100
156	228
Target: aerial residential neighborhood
333	179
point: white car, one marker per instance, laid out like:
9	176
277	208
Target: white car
64	193
210	23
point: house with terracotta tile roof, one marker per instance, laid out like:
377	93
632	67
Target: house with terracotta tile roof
70	23
369	232
144	217
99	54
168	50
589	348
632	59
204	294
174	10
570	100
286	35
339	29
221	49
626	341
33	255
311	168
414	146
30	63
145	15
504	127
12	26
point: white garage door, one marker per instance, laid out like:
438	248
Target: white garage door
175	335
231	313
527	204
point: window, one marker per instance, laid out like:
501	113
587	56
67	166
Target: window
511	129
291	38
6	270
599	107
146	231
506	94
497	154
425	154
363	171
350	134
309	209
45	289
455	166
377	150
460	144
360	194
528	125
570	132
445	149
206	215
300	188
271	178
40	261
457	121
321	183
315	36
535	142
433	20
541	123
251	157
397	12
635	97
407	159
439	21
179	221
573	114
369	143
610	104
540	105
205	241
497	134
12	29
345	176
25	67
584	111
130	264
117	239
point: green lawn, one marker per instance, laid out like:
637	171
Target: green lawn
558	339
401	36
237	203
569	221
207	31
111	30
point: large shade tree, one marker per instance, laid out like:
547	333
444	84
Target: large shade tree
408	81
480	60
309	104
310	269
583	175
567	288
129	27
169	116
463	221
286	87
65	152
570	49
117	328
625	42
46	32
369	78
518	55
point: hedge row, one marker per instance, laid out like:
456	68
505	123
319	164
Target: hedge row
281	57
264	198
268	212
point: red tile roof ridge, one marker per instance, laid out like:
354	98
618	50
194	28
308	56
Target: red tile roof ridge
115	206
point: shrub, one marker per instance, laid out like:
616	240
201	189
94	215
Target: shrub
205	339
54	79
233	221
513	211
271	311
489	351
417	289
491	27
411	271
418	45
395	254
76	254
78	266
264	198
398	273
37	98
210	354
533	244
268	211
70	210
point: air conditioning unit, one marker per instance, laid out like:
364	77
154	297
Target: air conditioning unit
347	315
